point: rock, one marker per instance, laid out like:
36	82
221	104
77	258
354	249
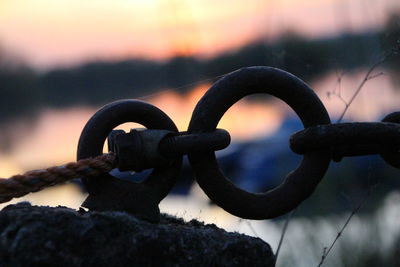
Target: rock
45	236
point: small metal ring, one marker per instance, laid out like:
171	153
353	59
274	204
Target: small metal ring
390	157
110	116
300	183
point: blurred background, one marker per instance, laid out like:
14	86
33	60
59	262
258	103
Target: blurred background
62	60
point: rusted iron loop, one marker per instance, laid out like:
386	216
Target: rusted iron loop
300	183
352	139
110	193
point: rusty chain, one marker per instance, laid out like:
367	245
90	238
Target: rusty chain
161	147
352	139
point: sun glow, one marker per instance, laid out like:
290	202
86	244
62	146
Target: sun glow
68	31
49	33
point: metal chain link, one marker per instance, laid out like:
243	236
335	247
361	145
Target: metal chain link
353	139
319	142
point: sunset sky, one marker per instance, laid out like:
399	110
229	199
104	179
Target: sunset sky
48	33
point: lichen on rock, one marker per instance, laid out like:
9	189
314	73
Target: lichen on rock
46	236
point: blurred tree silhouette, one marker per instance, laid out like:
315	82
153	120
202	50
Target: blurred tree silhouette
18	88
23	91
391	40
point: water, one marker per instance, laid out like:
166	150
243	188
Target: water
306	238
53	137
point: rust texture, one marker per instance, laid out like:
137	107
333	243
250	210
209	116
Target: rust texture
300	183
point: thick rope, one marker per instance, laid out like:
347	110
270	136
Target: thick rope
33	181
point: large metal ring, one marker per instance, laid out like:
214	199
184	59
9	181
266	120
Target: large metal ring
300	183
392	157
110	116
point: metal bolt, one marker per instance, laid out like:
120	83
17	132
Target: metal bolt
186	143
147	148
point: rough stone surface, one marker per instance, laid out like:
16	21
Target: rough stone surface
45	236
